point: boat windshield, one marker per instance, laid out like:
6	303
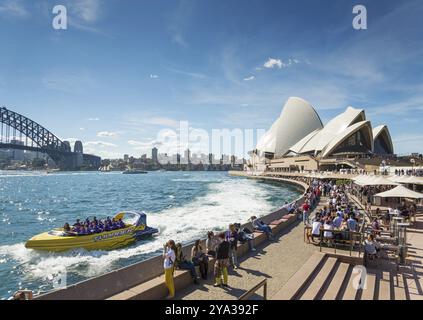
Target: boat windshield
57	233
130	218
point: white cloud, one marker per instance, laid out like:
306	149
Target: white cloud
68	82
143	119
14	8
249	78
271	63
101	144
154	76
82	129
93	119
186	73
86	10
105	134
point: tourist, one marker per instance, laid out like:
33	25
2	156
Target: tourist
169	255
376	228
78	223
246	235
222	260
199	258
183	264
211	244
371	246
261	226
337	222
315	230
232	238
327	233
352	224
306	208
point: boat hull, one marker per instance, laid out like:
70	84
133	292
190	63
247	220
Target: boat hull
102	241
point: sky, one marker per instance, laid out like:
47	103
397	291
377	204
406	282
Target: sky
125	72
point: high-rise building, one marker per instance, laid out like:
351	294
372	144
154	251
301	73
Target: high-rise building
154	153
187	156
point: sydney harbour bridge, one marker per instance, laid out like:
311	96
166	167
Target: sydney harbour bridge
21	133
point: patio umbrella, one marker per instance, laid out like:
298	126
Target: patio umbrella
400	192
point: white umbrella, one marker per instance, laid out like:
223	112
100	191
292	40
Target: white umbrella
400	192
361	179
374	181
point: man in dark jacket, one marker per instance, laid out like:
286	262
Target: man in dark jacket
232	238
222	261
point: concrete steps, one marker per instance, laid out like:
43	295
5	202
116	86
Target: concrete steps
336	282
330	277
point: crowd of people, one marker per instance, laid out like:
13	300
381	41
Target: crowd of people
337	219
221	246
93	226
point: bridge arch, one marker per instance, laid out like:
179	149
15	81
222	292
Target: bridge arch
39	136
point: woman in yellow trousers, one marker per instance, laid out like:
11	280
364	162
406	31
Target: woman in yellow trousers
168	264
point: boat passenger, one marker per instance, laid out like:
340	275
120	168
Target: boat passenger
83	231
107	227
66	227
78	223
121	224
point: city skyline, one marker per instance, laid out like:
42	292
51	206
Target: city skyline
168	62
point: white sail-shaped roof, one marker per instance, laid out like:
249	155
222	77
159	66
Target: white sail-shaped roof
298	147
382	132
298	119
343	135
333	128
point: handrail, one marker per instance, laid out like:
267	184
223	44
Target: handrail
247	295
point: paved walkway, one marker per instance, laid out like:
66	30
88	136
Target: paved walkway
414	279
277	261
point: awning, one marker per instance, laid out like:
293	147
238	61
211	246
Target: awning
400	192
364	180
407	179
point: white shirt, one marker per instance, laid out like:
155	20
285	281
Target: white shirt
315	230
328	234
169	260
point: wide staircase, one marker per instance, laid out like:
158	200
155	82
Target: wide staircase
329	277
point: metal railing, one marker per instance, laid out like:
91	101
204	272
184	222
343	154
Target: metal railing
252	291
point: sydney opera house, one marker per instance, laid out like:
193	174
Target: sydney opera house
298	140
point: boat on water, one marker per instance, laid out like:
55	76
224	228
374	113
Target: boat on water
58	240
133	171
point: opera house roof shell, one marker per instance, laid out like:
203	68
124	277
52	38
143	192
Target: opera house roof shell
299	131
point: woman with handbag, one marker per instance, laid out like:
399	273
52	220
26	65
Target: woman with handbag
199	258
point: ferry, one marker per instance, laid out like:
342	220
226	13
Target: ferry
58	240
133	171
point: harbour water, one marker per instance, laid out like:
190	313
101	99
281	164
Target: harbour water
183	205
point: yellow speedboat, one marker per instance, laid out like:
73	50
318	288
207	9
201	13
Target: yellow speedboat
58	240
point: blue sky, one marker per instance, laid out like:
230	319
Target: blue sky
124	70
